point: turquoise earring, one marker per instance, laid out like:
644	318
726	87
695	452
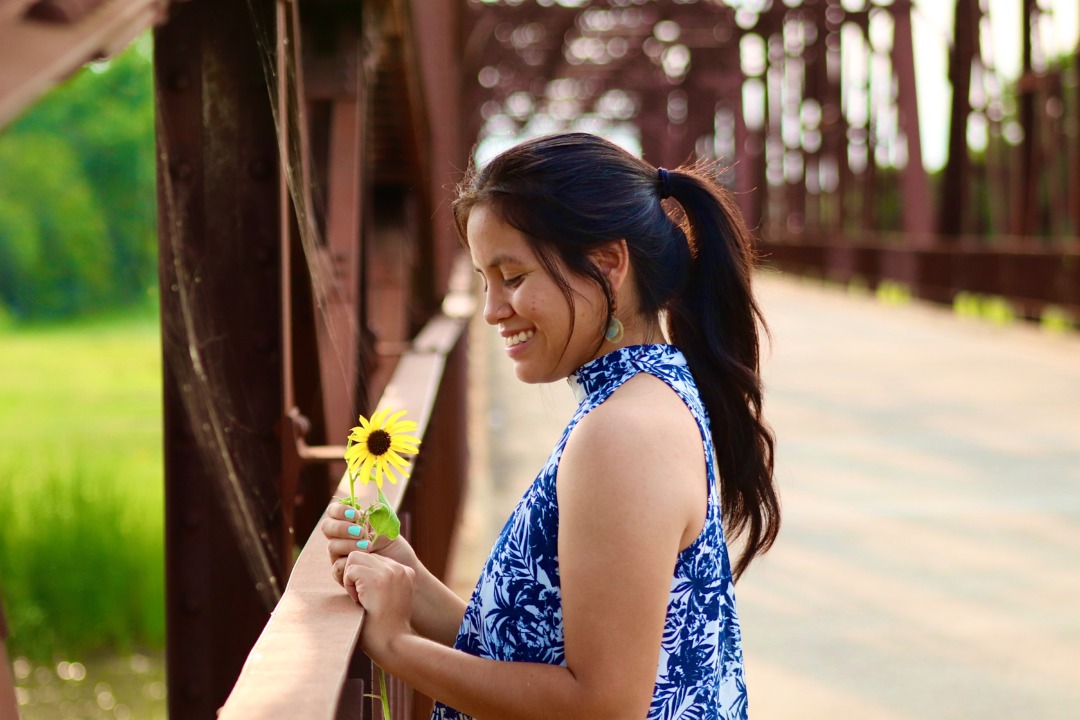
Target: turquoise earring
614	331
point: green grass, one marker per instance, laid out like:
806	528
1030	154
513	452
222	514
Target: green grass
81	496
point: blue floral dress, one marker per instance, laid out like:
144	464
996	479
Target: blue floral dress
515	613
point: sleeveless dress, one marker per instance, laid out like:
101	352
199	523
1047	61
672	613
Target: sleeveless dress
515	613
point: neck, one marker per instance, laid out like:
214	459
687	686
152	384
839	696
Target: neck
638	331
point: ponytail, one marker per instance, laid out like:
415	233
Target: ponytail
714	321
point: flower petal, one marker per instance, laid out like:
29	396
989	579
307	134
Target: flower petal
365	469
380	470
405	426
398	441
377	418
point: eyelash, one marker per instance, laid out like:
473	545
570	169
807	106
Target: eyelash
513	282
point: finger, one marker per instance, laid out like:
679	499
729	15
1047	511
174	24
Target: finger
355	580
342	548
341	511
337	570
361	559
343	529
337	509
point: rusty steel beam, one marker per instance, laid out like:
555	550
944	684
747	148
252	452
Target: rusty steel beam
956	195
9	705
1025	194
1030	274
221	345
918	207
36	55
1074	146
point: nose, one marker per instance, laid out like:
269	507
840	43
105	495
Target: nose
496	306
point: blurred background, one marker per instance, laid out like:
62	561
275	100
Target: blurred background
911	170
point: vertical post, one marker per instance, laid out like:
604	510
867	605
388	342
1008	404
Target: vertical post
1025	196
1074	145
914	184
9	706
221	344
956	195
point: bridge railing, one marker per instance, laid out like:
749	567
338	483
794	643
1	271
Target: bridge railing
306	663
1031	273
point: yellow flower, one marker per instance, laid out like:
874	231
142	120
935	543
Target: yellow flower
378	445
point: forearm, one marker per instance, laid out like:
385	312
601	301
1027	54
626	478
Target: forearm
437	611
490	689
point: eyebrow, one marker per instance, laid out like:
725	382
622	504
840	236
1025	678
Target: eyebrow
500	260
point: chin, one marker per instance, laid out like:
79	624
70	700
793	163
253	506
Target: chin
531	376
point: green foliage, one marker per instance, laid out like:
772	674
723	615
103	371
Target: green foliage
992	308
891	292
998	310
77	194
81	491
1055	320
967	305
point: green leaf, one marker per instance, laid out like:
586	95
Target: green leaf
383	519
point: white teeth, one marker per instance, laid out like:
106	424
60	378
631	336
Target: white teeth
519	338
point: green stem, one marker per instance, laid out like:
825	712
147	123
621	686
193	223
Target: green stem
383	696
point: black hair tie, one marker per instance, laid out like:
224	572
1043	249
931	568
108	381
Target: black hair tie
665	183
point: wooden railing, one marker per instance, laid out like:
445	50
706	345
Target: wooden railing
306	663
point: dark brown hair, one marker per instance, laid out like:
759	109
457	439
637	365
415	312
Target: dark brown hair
572	194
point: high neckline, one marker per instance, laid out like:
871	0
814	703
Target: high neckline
593	375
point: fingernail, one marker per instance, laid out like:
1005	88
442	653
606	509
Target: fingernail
350	514
354	530
362	544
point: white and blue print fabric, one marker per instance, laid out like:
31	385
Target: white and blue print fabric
515	613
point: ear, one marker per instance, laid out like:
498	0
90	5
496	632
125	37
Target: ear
613	261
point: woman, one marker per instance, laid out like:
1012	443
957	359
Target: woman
609	593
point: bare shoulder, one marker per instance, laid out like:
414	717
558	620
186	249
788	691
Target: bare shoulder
643	417
638	452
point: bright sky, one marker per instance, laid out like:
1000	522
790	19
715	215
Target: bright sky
932	27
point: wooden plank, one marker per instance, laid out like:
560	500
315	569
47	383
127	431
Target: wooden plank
34	56
298	666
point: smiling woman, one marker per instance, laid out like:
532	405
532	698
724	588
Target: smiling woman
588	277
546	337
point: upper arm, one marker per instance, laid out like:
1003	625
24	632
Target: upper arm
631	489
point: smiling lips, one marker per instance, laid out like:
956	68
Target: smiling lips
519	338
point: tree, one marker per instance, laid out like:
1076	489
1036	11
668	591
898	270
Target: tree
77	197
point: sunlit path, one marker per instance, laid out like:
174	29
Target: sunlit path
929	563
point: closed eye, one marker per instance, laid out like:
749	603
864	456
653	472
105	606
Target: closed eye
512	282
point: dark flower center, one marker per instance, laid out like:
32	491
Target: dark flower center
378	442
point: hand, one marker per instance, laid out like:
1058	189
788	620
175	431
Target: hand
336	528
385	589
